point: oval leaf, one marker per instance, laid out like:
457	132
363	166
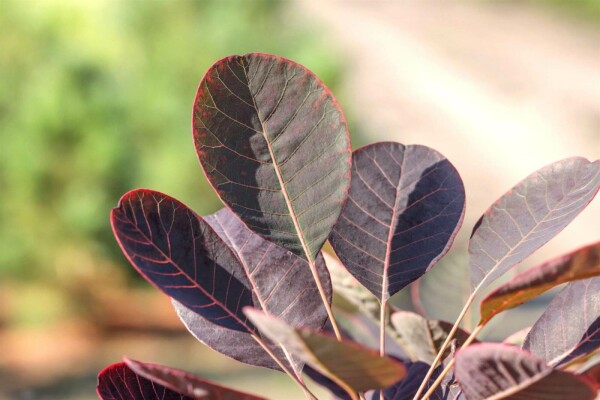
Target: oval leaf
423	338
186	383
191	260
570	326
529	215
179	253
119	382
274	143
407	387
499	371
404	208
580	264
348	364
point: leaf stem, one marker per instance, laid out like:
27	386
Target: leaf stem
336	329
440	378
445	345
307	392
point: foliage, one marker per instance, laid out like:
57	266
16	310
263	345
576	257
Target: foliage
250	281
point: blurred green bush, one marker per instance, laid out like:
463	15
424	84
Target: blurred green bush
95	100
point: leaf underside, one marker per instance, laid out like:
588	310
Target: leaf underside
274	144
580	264
404	208
119	382
529	215
499	371
570	326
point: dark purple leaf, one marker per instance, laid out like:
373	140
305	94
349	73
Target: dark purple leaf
580	264
570	326
335	389
179	253
529	215
119	382
186	383
404	208
191	260
500	371
274	143
350	365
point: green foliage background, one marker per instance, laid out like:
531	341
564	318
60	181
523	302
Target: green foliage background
95	100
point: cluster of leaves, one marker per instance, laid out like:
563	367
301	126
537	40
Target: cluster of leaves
252	283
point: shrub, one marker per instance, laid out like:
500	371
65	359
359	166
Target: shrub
251	282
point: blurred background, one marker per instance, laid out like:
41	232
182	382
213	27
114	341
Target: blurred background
95	100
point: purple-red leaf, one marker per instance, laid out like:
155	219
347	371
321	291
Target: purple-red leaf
529	215
407	387
283	286
570	326
274	143
580	264
404	208
499	371
119	382
179	253
191	260
186	383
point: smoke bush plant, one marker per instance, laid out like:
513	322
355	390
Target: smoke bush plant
250	281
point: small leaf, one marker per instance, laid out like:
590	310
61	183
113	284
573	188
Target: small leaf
349	365
404	208
214	267
529	215
570	326
407	388
499	371
273	142
423	338
580	264
119	382
186	383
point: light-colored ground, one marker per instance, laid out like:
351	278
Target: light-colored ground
501	90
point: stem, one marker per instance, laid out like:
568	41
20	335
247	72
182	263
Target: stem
382	334
440	378
315	274
307	392
445	345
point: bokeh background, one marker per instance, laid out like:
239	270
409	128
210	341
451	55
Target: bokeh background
95	100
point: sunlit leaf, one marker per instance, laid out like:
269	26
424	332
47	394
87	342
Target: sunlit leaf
499	371
570	326
213	268
350	365
580	264
186	383
274	144
119	382
404	207
423	338
529	215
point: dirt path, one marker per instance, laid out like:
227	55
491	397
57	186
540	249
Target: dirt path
500	90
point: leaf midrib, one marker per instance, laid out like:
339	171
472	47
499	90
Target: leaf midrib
286	196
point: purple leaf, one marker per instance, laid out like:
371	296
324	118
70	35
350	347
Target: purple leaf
570	326
579	264
500	371
404	208
407	387
529	215
186	383
119	382
284	287
274	143
191	261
